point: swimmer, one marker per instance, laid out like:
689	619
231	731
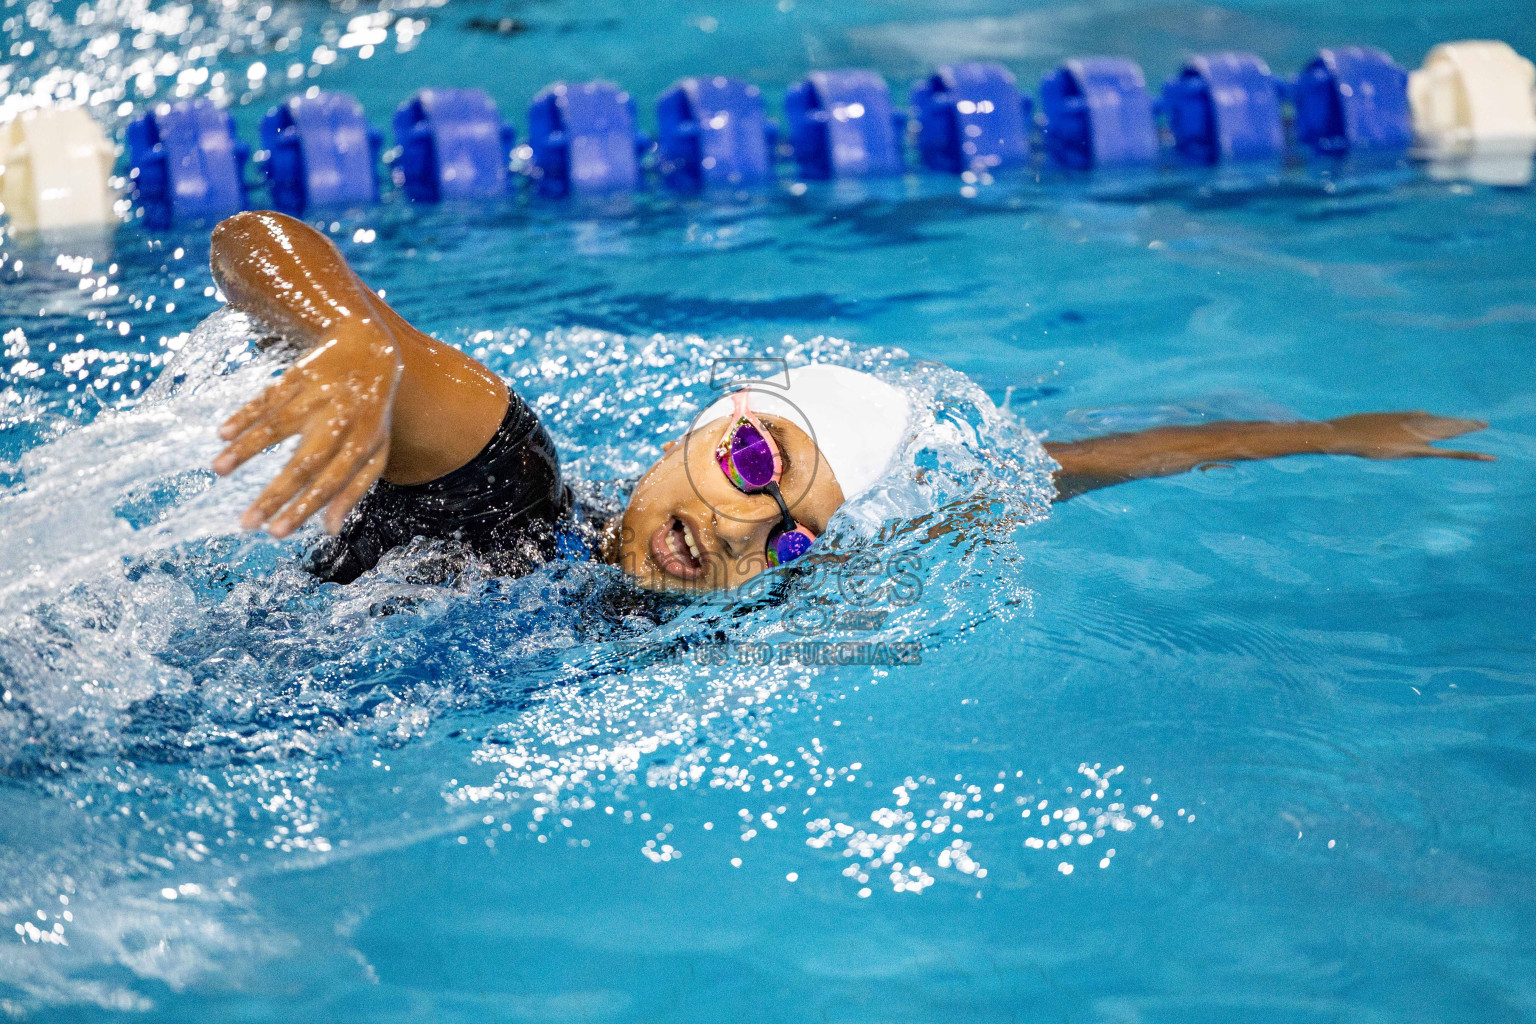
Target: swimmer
402	436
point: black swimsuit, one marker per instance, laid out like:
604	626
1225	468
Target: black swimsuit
507	504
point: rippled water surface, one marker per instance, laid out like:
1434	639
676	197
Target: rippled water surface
1251	744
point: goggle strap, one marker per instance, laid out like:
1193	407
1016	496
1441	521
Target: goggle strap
786	522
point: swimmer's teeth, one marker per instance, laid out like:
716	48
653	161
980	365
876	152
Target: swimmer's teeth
688	539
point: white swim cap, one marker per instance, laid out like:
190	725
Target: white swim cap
857	420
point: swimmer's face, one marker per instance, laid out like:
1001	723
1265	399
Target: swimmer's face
688	528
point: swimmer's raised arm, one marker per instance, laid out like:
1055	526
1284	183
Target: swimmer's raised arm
1164	451
371	396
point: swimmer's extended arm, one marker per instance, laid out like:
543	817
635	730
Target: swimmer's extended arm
371	396
1164	451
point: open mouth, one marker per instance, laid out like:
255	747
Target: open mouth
676	549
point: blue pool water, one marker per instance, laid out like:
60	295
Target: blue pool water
1290	704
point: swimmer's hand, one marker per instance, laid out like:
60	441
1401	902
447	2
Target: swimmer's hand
1396	435
339	399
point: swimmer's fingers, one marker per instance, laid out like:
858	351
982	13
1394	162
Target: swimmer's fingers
316	450
260	435
1438	428
348	497
1400	435
1426	427
1450	453
350	461
262	406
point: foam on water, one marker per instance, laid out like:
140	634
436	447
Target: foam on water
196	707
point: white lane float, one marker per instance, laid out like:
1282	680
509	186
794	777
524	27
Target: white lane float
55	170
1474	112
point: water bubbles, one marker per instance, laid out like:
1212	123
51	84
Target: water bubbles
118	56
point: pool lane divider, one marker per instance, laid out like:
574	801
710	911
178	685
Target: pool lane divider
1094	112
187	164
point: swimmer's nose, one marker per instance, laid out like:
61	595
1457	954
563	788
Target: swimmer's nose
743	527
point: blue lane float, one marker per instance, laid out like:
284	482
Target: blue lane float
1352	99
453	145
1098	113
971	117
584	139
187	164
321	152
842	125
714	132
1223	107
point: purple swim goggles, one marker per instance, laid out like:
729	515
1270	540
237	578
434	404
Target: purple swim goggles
751	462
